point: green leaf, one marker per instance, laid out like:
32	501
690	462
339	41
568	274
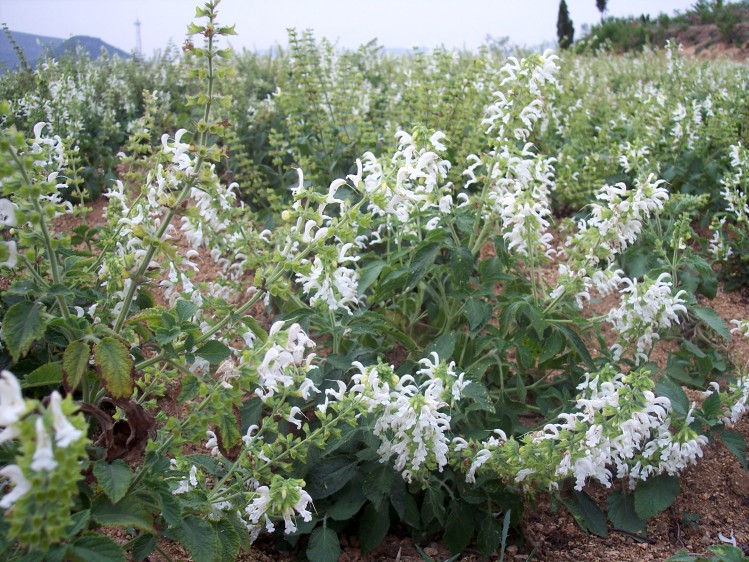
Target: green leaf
711	318
190	387
373	526
143	546
587	514
675	393
115	366
477	392
461	265
478	313
489	536
128	512
655	494
214	352
185	310
328	477
114	478
443	346
171	509
228	540
735	443
711	407
459	527
95	548
377	484
255	328
348	502
46	375
621	510
22	326
433	507
421	263
75	362
369	274
80	521
323	545
199	537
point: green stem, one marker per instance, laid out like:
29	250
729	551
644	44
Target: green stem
51	254
202	140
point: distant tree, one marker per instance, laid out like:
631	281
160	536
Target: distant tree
565	27
601	5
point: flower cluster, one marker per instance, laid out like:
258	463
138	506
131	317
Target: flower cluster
619	429
645	309
409	416
285	497
52	442
607	232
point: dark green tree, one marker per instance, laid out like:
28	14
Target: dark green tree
601	5
565	27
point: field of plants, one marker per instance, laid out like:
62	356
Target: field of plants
327	296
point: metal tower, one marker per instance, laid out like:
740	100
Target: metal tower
138	47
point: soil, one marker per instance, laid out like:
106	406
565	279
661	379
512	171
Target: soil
714	496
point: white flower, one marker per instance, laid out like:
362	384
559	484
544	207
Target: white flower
8	213
44	456
259	506
12	404
65	432
13	473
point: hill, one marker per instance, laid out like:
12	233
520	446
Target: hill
35	47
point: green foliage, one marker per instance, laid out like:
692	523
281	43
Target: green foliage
456	377
565	27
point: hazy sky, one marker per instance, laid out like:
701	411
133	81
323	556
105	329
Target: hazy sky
349	23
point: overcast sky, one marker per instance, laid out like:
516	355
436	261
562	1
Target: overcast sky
349	23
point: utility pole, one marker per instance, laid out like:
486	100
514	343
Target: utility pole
138	47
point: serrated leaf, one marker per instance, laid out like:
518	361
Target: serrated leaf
199	537
190	387
128	512
115	366
459	527
23	324
214	352
712	320
185	310
735	443
143	546
228	540
373	526
46	375
171	509
114	478
620	507
655	494
75	362
323	545
95	548
153	317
